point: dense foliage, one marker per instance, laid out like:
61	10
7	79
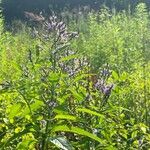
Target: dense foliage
61	89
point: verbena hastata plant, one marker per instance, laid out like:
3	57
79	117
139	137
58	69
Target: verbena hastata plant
52	97
122	41
41	93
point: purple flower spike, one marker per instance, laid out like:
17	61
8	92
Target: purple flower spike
106	90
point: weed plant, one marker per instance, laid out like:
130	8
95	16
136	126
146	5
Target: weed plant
66	90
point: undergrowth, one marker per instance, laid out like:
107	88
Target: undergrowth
61	89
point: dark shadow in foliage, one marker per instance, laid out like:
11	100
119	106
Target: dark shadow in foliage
14	9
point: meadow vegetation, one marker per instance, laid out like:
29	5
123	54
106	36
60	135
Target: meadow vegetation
78	84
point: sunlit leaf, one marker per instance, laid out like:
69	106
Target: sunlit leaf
69	58
76	95
85	110
115	75
62	143
14	110
54	77
76	130
35	106
67	117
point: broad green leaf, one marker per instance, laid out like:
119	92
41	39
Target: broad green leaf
118	108
76	95
115	75
85	110
123	133
76	130
81	76
143	127
69	58
67	117
14	110
123	76
35	106
24	145
54	77
134	134
62	99
60	110
62	143
5	120
18	129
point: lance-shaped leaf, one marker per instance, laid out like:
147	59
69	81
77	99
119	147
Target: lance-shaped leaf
62	143
67	117
70	57
85	110
77	130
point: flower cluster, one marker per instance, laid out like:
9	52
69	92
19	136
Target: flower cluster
60	28
104	87
102	84
53	25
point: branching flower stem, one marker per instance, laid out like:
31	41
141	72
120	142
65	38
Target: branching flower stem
52	99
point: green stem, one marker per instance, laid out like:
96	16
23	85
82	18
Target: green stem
144	78
145	97
44	143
